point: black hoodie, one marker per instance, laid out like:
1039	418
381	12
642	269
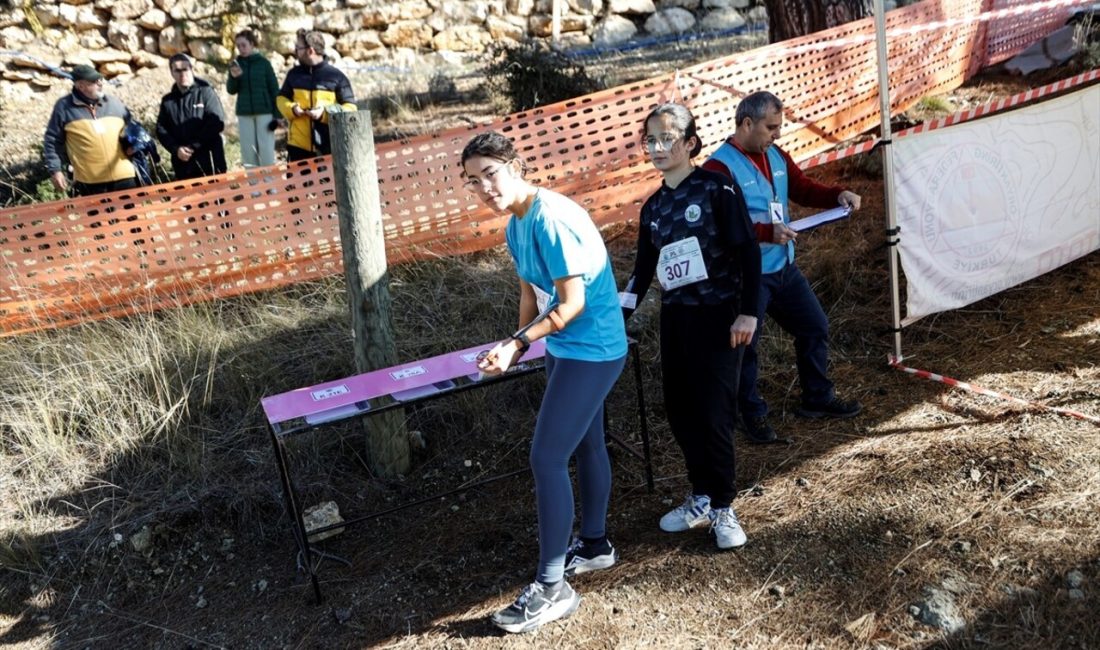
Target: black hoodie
193	117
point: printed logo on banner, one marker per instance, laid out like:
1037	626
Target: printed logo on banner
329	393
971	217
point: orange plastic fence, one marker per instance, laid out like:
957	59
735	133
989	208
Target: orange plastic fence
82	259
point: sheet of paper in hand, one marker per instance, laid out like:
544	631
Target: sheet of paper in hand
821	218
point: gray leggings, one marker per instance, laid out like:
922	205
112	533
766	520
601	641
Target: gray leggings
571	423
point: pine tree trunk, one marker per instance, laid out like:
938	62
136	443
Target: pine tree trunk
791	18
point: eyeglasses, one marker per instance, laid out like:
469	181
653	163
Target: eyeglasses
474	184
666	141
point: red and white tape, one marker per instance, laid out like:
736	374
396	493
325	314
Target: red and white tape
962	116
1002	104
896	363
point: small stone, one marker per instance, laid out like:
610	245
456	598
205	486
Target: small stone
142	540
454	508
468	463
1076	594
201	602
889	535
1074	579
962	546
776	590
666	501
260	586
342	614
914	611
975	474
938	609
801	482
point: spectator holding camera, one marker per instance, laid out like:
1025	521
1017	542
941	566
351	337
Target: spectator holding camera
252	80
310	89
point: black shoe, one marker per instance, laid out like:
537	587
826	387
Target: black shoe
582	558
834	408
759	432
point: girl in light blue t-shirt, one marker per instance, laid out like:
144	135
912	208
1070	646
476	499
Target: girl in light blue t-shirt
560	259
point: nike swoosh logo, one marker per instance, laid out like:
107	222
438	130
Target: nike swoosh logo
529	614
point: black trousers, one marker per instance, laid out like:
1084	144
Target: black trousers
88	189
701	373
296	153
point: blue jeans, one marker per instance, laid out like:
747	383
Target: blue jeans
786	296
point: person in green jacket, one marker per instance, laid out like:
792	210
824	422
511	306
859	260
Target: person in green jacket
252	80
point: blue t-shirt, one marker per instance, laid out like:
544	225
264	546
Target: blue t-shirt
557	239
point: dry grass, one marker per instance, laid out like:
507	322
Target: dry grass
154	421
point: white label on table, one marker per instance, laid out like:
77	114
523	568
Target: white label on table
329	393
405	373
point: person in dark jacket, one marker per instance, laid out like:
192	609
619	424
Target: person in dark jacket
191	122
252	80
310	90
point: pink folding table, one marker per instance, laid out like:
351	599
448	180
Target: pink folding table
370	393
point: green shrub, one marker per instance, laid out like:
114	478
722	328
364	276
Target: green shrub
530	74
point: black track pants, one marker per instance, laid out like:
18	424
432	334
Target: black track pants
700	385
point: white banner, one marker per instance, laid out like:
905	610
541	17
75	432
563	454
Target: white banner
986	205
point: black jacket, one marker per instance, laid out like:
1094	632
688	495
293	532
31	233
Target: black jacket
194	118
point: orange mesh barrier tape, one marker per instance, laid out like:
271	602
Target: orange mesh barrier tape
83	259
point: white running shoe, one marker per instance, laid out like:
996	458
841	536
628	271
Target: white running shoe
691	514
726	528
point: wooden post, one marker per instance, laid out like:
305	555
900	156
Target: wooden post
364	251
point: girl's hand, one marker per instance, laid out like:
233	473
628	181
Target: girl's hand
742	330
502	357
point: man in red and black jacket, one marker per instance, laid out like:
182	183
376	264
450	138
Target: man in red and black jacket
310	91
769	179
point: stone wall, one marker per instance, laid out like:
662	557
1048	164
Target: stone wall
123	37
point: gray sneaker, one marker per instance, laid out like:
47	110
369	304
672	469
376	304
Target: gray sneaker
691	514
726	528
536	605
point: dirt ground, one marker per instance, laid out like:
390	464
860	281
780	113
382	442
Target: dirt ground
974	514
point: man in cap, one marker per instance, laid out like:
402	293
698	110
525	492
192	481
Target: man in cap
191	122
83	133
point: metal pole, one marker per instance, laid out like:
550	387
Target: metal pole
892	232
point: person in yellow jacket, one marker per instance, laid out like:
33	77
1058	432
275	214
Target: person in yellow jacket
83	133
312	89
